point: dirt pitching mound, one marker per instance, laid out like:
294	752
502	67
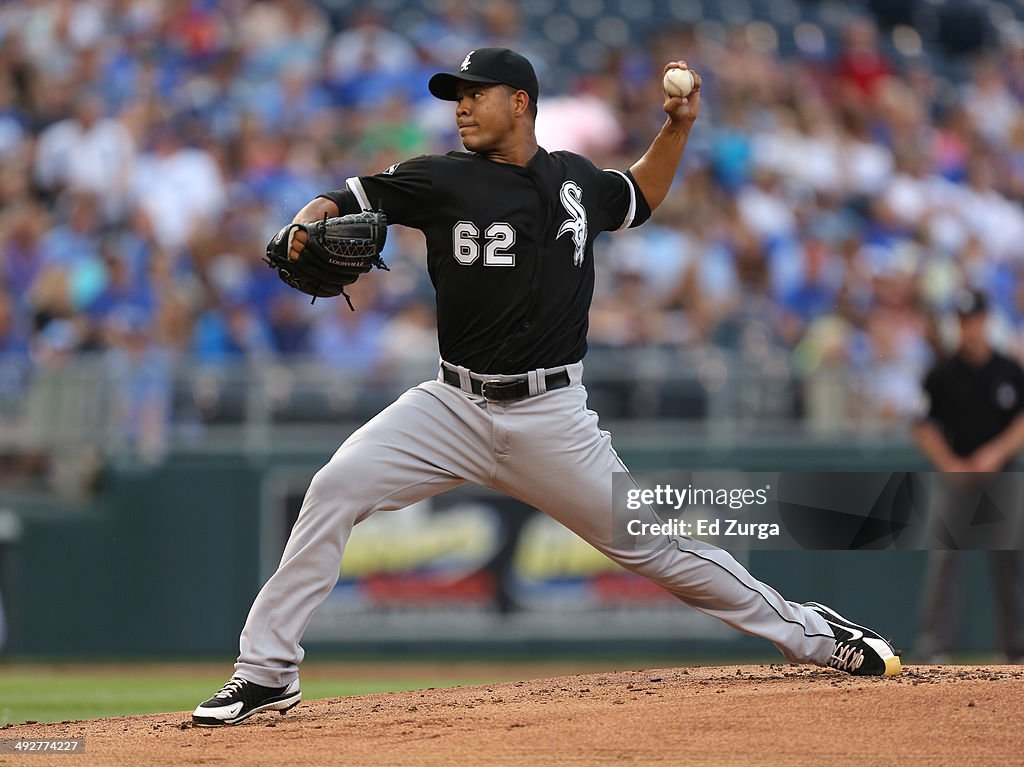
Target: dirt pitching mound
724	715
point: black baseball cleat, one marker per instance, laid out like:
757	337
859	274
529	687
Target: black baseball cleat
239	699
859	650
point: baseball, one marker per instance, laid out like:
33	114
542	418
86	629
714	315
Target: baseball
678	82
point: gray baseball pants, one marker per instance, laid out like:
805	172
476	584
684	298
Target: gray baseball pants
547	451
953	511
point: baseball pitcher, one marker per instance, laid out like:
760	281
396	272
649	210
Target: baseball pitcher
510	230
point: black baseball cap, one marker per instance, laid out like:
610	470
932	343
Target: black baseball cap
970	302
488	65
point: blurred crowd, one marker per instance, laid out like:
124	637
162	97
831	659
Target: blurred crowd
831	201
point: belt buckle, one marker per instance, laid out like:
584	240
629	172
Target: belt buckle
485	385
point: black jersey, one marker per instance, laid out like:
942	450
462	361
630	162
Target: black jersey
509	249
973	404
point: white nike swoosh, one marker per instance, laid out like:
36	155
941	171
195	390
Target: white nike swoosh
857	633
228	712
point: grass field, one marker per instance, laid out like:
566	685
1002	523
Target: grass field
54	694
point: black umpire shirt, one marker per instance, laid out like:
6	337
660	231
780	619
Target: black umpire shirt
509	249
973	404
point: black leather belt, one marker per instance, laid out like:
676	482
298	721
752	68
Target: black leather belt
506	390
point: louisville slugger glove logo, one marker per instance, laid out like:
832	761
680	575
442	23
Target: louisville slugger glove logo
572	200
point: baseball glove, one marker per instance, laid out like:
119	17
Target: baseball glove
338	252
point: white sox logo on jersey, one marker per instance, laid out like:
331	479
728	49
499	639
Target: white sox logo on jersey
465	62
572	200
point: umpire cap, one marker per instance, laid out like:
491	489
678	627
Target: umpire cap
488	65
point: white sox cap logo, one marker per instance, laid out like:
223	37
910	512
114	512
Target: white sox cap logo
572	200
465	62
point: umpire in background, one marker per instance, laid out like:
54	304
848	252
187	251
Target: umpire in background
974	423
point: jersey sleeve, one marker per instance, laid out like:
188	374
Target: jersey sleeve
403	191
622	203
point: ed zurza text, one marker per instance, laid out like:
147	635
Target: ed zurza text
706	528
